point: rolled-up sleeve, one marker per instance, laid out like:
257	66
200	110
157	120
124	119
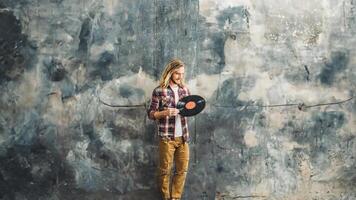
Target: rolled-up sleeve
153	105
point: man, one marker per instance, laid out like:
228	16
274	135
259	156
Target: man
172	129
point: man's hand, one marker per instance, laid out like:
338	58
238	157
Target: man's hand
171	112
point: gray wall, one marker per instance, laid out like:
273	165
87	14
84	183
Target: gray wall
76	78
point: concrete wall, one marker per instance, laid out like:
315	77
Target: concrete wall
76	77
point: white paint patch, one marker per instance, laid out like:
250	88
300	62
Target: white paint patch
109	93
126	122
81	147
110	6
241	58
289	146
204	85
142	155
277	119
28	90
259	91
124	145
145	82
97	50
106	137
70	156
63	36
210	9
250	138
79	152
257	34
54	109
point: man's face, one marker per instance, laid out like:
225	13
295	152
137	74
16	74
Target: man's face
178	75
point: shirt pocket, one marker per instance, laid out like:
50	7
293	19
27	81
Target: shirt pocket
166	102
183	94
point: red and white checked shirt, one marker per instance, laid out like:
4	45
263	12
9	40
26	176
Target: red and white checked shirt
163	98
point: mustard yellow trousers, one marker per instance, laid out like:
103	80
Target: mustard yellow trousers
171	151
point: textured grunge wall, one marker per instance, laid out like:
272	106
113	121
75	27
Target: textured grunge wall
76	77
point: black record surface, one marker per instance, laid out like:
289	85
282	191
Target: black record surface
191	105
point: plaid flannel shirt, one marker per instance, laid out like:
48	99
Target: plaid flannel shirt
163	98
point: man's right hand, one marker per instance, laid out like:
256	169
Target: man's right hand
171	112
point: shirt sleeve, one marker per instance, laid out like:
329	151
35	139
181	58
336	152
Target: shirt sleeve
153	105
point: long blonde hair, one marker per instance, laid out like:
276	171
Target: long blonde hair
168	71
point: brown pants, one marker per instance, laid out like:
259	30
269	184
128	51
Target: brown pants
169	151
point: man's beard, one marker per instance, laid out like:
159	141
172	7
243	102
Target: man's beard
174	81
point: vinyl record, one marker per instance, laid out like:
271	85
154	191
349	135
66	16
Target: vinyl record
190	105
